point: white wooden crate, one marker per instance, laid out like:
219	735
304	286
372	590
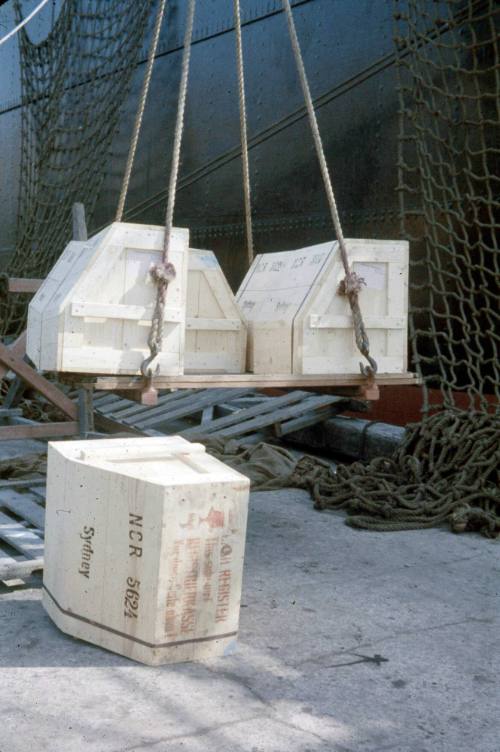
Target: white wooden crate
93	312
144	546
216	334
299	324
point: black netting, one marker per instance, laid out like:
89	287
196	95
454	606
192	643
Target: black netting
73	85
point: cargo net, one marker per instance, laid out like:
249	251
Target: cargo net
446	471
73	85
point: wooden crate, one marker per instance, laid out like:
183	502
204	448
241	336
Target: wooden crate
298	323
216	335
144	547
93	312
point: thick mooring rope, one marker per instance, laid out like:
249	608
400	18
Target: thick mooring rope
352	284
446	471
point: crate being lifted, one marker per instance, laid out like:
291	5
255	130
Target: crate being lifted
93	312
298	323
216	334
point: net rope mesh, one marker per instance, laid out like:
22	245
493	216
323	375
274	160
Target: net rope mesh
449	88
447	469
73	85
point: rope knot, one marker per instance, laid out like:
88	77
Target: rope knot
351	284
163	273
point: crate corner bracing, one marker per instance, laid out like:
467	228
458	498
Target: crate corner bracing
298	323
216	334
93	312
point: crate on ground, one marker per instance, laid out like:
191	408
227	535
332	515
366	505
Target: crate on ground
93	312
216	334
298	323
144	547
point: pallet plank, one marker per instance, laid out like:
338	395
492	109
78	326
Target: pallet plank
24	506
284	413
257	381
304	421
13	533
189	407
270	404
137	409
40	430
12	568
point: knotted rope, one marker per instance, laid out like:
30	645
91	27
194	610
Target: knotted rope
352	284
164	272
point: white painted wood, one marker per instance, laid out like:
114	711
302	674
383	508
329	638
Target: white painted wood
216	334
93	312
299	324
144	547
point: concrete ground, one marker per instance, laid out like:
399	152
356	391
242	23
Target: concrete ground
349	641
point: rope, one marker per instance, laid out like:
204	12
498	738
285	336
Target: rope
140	110
243	130
23	22
445	471
352	284
164	272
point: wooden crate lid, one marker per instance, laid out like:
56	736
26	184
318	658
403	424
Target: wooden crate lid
162	460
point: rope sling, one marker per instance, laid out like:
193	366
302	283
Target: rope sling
164	272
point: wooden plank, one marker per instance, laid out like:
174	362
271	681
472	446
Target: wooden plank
17	348
284	413
22	482
24	506
269	405
38	382
17	536
135	409
189	406
111	407
183	398
121	311
249	380
24	284
345	322
40	430
110	425
304	421
12	568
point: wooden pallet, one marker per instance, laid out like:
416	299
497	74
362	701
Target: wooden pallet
22	522
210	413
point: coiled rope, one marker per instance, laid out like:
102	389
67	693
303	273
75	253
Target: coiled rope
446	471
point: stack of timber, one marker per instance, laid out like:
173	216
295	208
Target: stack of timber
299	324
214	413
22	522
